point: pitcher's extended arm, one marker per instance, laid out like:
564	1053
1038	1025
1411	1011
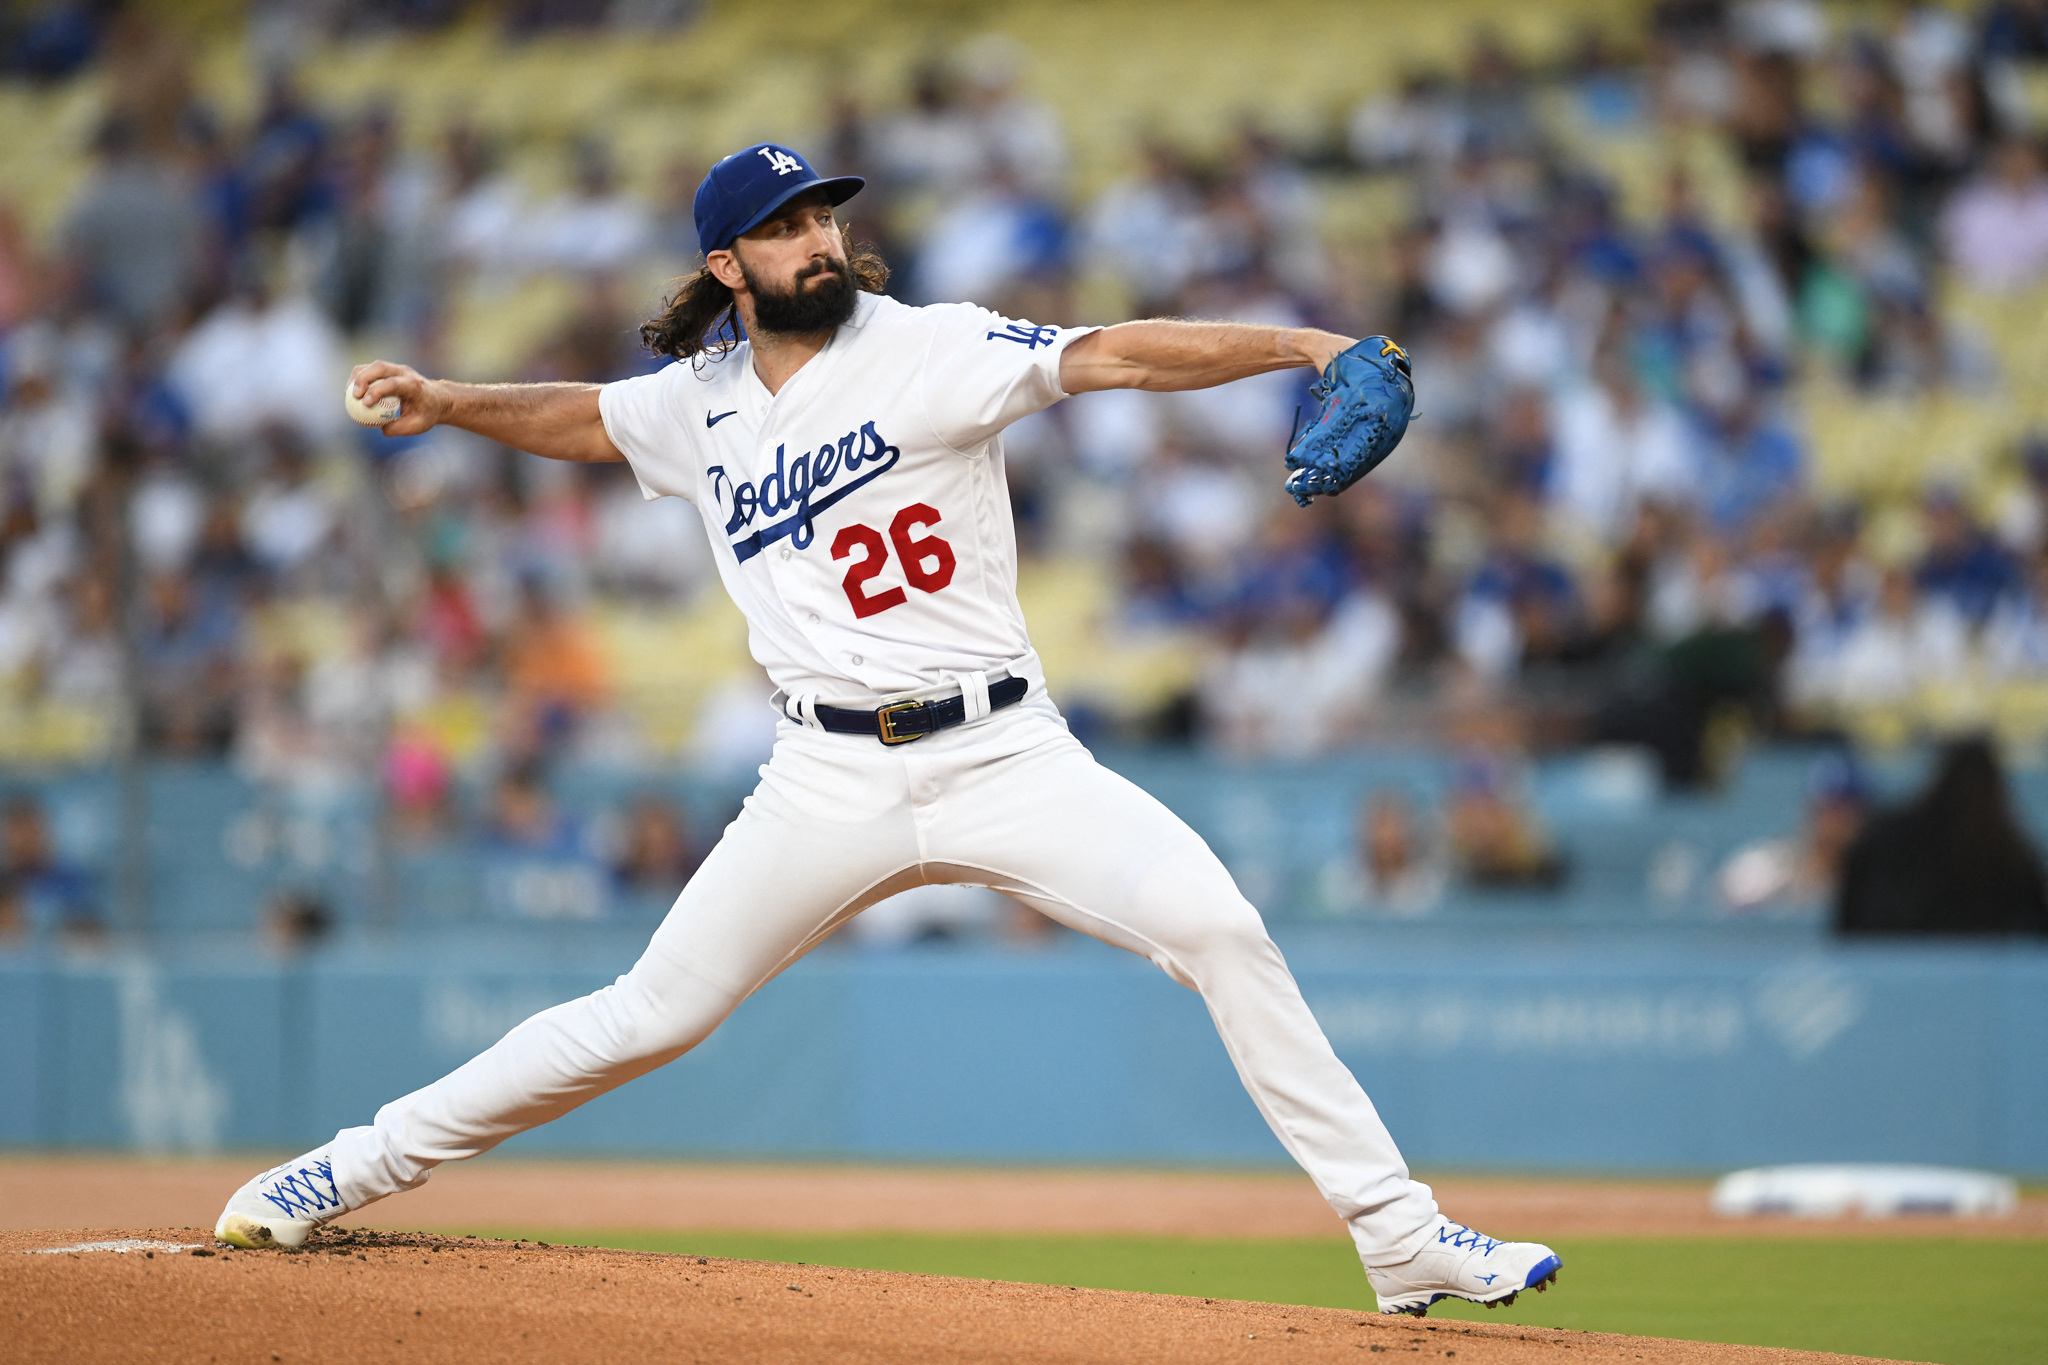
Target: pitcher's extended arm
1165	353
559	421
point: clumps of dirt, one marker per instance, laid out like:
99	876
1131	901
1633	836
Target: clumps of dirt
335	1240
376	1296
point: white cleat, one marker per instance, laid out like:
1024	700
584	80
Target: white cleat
1459	1263
281	1207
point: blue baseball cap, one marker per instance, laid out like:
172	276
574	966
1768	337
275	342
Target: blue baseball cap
744	190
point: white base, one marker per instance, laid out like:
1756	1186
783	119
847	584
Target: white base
1872	1191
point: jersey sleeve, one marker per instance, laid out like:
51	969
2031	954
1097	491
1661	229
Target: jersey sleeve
984	371
644	416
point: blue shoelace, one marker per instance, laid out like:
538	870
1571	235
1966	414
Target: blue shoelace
298	1193
1460	1236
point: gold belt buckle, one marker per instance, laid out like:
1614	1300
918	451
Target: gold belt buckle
888	730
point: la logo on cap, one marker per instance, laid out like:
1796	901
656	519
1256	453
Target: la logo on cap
740	193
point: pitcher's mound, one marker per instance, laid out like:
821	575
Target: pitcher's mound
363	1296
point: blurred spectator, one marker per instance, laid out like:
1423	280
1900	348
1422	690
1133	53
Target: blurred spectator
354	690
931	145
133	233
1752	464
1020	138
1494	840
1902	642
553	667
674	225
288	516
986	241
1146	230
293	921
84	664
166	514
485	208
274	739
262	356
596	226
40	893
378	266
1801	872
1306	633
536	863
50	41
1952	861
1521	605
448	619
1868	302
420	786
1963	567
2015	641
523	815
187	646
290	180
1471	267
594	345
1995	230
21	272
1204	509
1397	869
656	852
1418	122
654	550
49	437
1617	447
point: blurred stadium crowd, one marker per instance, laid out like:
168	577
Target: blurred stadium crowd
1730	326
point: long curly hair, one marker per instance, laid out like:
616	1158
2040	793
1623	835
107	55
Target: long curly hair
701	317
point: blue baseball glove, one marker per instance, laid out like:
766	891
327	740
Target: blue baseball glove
1366	398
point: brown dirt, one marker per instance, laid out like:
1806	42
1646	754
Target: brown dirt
499	1192
365	1296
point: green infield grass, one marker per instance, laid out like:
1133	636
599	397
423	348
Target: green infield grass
1958	1302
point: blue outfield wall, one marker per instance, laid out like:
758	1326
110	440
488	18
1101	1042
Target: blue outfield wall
1532	1049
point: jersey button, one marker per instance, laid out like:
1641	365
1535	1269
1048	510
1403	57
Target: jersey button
814	618
857	661
785	552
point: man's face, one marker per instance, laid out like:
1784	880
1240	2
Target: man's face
794	268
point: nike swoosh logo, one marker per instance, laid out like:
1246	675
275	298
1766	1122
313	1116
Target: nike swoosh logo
710	421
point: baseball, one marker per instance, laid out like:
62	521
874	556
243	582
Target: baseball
385	411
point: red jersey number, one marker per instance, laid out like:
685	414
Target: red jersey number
928	561
918	551
874	556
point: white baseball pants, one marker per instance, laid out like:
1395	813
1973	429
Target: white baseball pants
840	822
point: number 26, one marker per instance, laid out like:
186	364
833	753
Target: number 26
928	561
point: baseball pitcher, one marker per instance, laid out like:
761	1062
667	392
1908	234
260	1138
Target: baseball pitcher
845	453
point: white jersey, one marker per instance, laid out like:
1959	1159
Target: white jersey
860	517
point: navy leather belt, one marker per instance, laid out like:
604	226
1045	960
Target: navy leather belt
904	721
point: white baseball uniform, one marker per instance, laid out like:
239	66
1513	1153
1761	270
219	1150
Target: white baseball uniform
861	522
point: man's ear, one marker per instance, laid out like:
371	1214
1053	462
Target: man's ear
725	268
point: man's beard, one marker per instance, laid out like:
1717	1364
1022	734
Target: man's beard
804	310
